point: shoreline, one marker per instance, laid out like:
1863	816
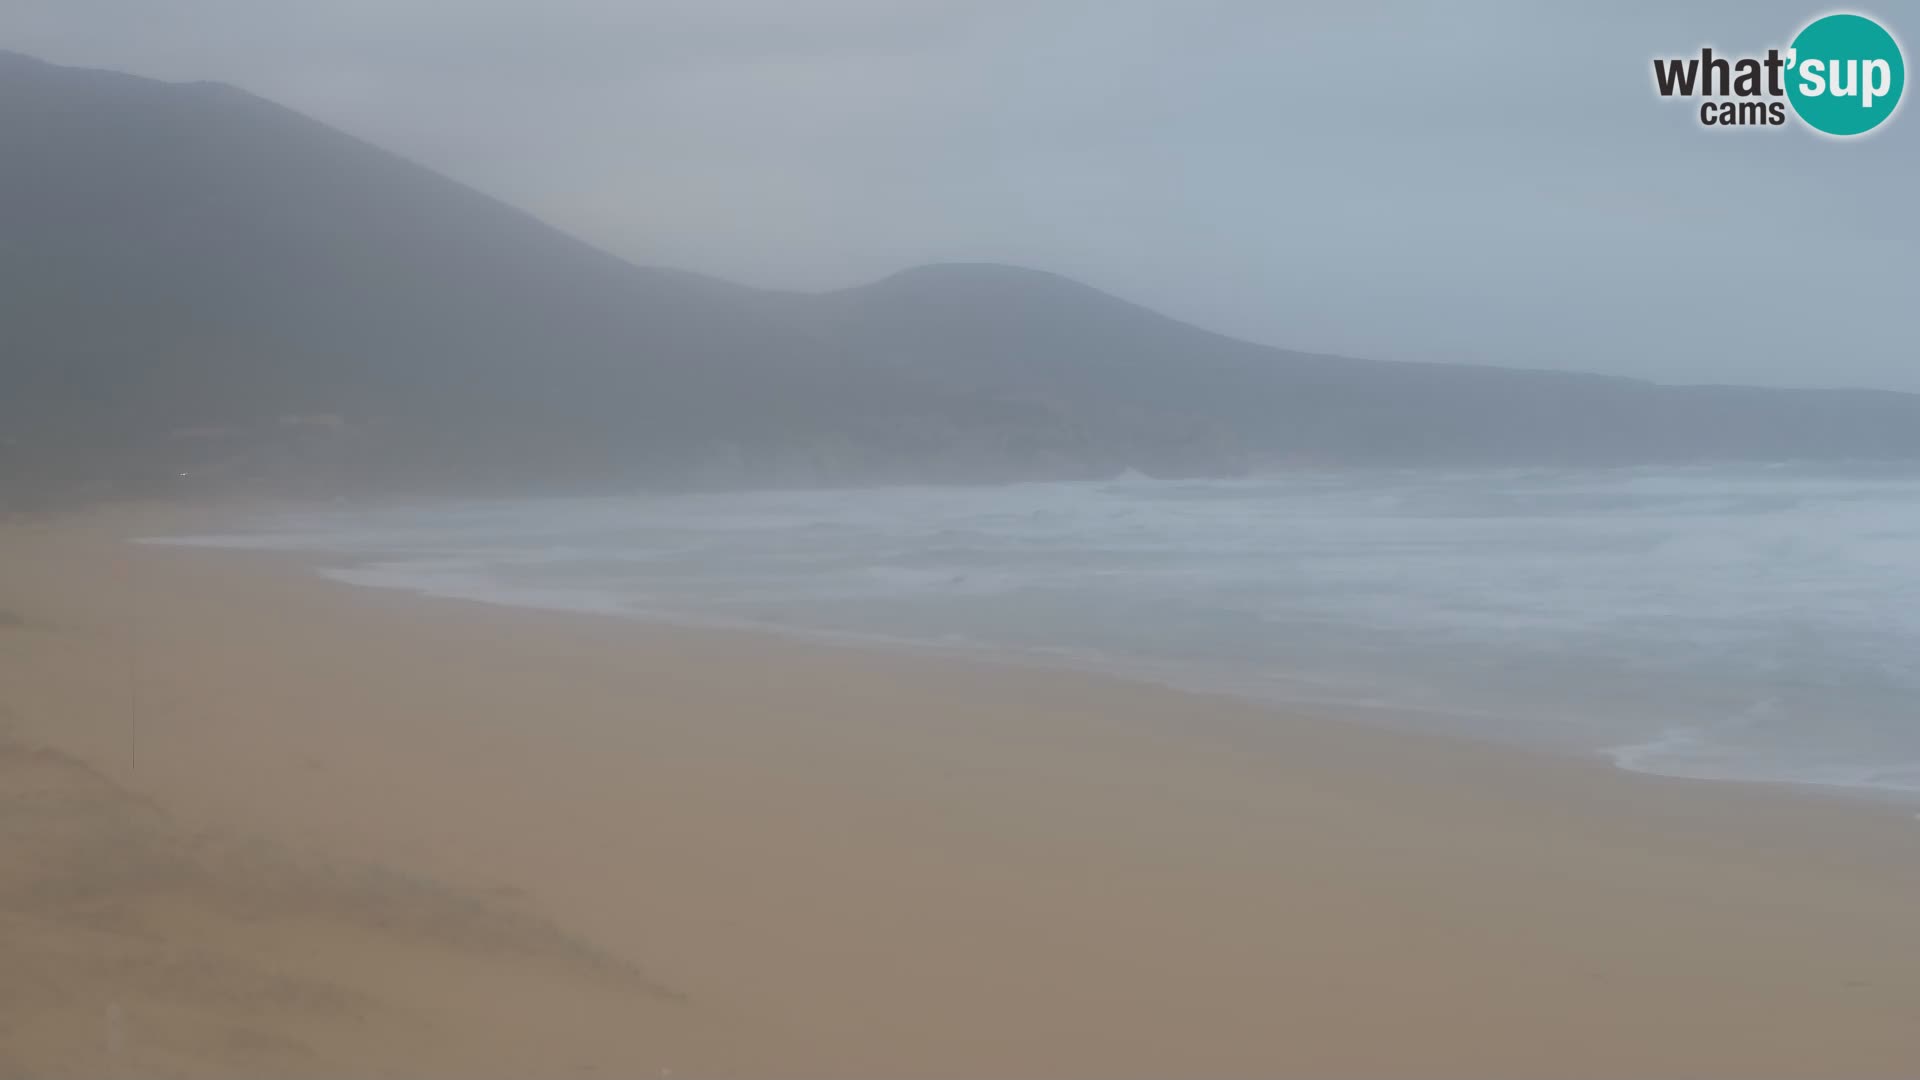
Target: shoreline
1380	716
341	567
835	861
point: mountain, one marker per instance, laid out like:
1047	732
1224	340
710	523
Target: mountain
194	280
183	261
1051	340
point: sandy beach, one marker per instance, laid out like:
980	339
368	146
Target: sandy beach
253	822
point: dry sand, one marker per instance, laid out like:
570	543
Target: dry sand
369	834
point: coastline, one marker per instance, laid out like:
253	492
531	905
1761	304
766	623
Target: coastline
1638	756
1447	722
1659	643
831	860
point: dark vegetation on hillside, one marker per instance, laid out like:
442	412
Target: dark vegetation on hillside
196	281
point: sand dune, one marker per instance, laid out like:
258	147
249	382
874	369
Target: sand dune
135	948
369	834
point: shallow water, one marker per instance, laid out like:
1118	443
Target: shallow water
1744	622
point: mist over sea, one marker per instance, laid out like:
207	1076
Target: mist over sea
1726	622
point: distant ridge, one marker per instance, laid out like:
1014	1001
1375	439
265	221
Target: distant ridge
195	280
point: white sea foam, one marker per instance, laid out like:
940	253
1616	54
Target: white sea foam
1715	622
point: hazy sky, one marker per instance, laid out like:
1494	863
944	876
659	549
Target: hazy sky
1458	181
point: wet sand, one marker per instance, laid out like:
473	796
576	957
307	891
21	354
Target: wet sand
254	822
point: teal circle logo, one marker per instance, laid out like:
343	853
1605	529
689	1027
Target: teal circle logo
1845	74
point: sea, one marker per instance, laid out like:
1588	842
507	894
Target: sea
1727	622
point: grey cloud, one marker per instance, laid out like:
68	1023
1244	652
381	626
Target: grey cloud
1480	181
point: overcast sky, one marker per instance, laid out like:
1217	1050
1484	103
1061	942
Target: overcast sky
1459	181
